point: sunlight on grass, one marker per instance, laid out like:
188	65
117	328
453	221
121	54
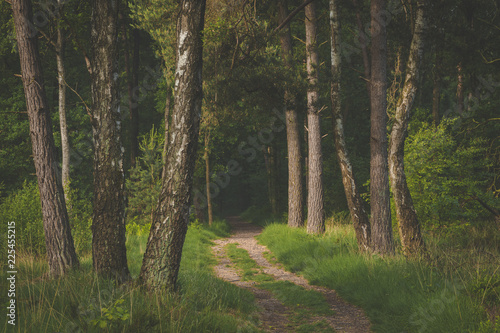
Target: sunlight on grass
83	302
397	295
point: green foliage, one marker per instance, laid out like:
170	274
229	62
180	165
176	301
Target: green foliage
81	301
444	176
80	218
23	207
144	184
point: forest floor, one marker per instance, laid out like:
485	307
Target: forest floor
274	315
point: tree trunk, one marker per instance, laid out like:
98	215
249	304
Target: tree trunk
354	201
409	226
134	110
460	89
315	210
61	78
108	227
207	178
436	80
363	41
379	187
272	178
61	253
162	259
436	96
295	186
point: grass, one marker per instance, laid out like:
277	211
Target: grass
396	294
304	304
83	302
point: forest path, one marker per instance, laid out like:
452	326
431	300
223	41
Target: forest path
274	315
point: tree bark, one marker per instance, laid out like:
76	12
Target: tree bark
108	227
61	80
315	209
436	88
460	89
295	183
162	259
206	156
358	214
272	178
134	106
379	187
409	226
61	254
363	41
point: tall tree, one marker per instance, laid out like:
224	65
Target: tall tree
162	259
409	226
61	253
354	201
379	180
108	224
61	80
295	183
315	209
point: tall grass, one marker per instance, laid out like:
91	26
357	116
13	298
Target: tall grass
83	302
396	294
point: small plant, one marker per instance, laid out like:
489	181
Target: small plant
112	314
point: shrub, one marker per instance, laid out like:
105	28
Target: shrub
24	208
444	176
144	184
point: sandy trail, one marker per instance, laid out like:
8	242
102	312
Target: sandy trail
274	315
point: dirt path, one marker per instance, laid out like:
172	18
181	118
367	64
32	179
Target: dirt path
274	314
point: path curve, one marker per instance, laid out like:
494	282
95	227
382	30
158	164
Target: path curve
348	318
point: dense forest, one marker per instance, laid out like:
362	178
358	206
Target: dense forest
140	138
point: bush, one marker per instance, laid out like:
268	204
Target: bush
444	177
144	184
24	208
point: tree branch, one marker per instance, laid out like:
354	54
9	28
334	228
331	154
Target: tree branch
292	15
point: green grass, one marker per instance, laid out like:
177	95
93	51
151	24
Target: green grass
304	304
82	302
250	271
396	294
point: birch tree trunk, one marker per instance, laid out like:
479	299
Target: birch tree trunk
315	209
160	266
354	201
295	182
108	226
206	156
61	80
409	226
379	187
61	254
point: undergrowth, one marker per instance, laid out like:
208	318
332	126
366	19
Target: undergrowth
83	302
397	295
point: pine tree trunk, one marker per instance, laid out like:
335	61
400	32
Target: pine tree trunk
134	107
162	259
354	201
108	227
460	90
295	183
207	178
272	178
436	88
61	78
61	254
379	187
315	210
363	41
409	226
